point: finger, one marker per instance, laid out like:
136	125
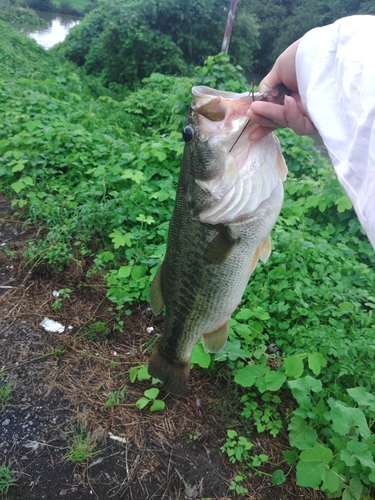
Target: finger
297	119
271	80
259	132
267	114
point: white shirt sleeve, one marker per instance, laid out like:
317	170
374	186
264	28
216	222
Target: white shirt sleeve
335	68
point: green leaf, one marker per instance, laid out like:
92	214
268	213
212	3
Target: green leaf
32	125
157	405
152	393
301	435
17	186
291	457
310	475
302	389
107	256
319	453
124	271
244	313
200	357
293	366
28	180
18	167
312	465
344	419
331	481
160	155
357	451
278	477
247	376
142	403
143	373
139	372
274	380
316	362
343	203
356	487
120	239
362	397
138	272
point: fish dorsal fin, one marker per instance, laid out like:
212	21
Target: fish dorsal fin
262	252
219	249
156	293
215	341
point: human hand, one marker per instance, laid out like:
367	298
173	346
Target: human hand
272	116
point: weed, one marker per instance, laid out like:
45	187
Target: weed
81	448
150	397
195	436
5	391
115	398
96	332
6	478
62	294
236	447
139	373
236	486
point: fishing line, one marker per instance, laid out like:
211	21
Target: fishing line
248	121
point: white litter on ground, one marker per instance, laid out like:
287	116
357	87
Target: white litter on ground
52	326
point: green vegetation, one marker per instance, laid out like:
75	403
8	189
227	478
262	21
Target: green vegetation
21	17
6	478
81	448
282	22
150	397
95	168
123	42
5	390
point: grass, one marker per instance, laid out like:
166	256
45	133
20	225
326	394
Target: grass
6	478
5	390
81	448
77	4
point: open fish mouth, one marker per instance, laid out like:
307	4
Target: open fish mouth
230	107
253	169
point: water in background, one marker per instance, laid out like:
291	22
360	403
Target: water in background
56	31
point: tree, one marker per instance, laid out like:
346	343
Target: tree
124	41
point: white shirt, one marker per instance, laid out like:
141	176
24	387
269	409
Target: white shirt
335	68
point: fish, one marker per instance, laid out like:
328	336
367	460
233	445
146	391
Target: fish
229	196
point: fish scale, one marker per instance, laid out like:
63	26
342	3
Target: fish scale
208	262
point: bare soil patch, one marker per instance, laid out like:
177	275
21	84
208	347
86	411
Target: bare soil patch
62	383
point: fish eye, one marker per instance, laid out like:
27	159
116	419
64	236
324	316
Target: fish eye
188	133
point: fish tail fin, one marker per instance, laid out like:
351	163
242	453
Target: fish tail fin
174	374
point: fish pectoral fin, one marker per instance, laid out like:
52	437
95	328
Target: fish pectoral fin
156	293
262	252
281	166
220	247
215	341
265	249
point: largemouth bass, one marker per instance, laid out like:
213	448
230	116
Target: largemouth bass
229	196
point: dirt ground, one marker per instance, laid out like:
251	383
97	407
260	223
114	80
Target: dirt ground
64	383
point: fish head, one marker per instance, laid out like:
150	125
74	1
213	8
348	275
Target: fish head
222	160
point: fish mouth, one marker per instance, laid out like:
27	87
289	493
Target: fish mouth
216	104
221	115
